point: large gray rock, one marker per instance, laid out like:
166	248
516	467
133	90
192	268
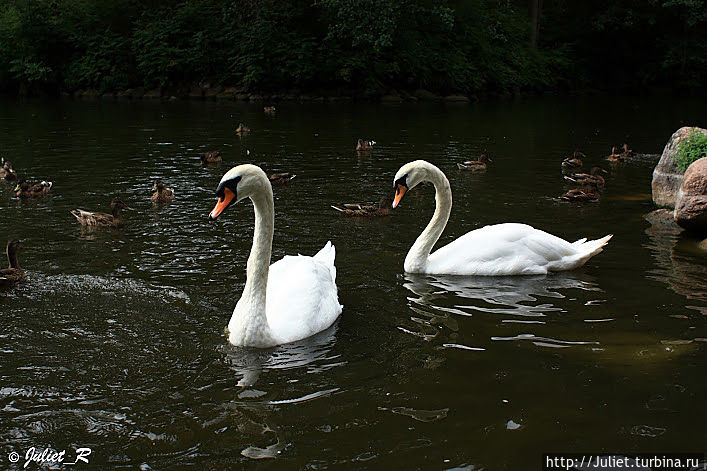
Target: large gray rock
667	177
691	202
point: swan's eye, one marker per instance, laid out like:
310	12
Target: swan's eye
402	181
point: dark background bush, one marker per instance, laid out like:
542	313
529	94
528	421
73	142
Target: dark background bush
352	46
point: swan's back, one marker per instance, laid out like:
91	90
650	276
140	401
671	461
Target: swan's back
302	296
511	249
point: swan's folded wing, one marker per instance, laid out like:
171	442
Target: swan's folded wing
301	298
508	249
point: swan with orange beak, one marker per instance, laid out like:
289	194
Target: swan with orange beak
497	250
293	298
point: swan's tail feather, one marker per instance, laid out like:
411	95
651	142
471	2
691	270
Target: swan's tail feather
589	249
327	256
579	242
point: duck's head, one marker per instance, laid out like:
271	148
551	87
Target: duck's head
238	183
484	158
409	176
596	170
21	185
116	205
158	185
385	202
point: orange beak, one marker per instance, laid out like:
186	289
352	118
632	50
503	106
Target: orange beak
399	193
222	204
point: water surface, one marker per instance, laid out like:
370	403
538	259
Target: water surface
117	341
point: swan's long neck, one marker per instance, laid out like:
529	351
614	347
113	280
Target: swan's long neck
416	258
259	260
249	323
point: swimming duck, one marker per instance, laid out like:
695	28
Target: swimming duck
13	274
627	153
6	171
615	156
114	220
210	157
161	193
593	178
25	190
475	165
584	194
269	110
383	208
280	178
573	162
365	145
242	129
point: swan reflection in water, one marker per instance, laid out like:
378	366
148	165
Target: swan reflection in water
509	295
252	407
249	363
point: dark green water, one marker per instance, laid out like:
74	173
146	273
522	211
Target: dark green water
117	341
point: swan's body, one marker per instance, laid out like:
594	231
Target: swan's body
293	298
501	249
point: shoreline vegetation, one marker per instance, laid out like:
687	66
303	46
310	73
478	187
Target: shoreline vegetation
341	50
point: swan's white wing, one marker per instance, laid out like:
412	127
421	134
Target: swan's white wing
511	249
302	296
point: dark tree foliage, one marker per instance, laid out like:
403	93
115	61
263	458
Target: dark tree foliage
358	46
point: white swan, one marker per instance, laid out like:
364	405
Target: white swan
291	299
501	249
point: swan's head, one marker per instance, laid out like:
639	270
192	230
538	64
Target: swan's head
238	183
408	177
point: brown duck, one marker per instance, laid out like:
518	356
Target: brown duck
269	109
628	152
363	144
6	171
210	157
114	220
615	156
161	193
13	274
242	129
25	190
476	166
585	194
366	210
575	161
593	178
279	179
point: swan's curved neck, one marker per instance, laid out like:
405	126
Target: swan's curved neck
416	258
260	253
